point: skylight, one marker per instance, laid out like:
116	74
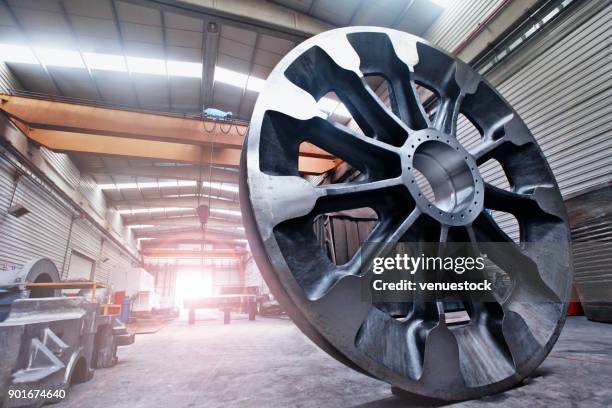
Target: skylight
139	65
59	58
184	69
98	61
233	78
105	62
17	53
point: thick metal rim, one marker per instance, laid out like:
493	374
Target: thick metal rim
505	340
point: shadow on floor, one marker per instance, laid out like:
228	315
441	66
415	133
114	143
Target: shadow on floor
405	399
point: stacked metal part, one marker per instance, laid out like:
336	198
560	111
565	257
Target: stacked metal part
51	342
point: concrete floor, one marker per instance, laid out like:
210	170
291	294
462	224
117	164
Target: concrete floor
269	363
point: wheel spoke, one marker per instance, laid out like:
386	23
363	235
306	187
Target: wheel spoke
378	56
484	150
507	255
372	116
382	240
447	114
362	152
352	195
519	204
406	103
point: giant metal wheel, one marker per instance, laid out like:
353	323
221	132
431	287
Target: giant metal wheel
506	337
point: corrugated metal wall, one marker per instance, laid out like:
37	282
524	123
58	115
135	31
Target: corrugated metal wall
561	85
7	79
52	229
457	21
42	232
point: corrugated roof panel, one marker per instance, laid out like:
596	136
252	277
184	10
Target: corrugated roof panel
142	33
238	34
275	44
235	49
133	13
182	22
86	8
96	27
184	38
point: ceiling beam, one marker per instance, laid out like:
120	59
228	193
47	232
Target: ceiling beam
271	18
189	221
186	202
180	244
192	233
81	119
168	172
68	142
40	120
186	254
210	51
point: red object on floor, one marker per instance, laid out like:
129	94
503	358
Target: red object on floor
119	296
575	309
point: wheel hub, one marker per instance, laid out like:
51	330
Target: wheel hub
442	177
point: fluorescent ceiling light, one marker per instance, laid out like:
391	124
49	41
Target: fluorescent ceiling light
59	58
140	65
105	62
139	226
17	53
185	69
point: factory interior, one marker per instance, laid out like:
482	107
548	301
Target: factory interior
190	191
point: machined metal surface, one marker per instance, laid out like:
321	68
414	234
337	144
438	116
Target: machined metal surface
411	345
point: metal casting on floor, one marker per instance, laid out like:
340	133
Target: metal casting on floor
392	149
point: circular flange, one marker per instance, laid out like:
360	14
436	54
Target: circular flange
456	188
392	148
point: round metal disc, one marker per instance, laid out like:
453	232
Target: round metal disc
412	345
